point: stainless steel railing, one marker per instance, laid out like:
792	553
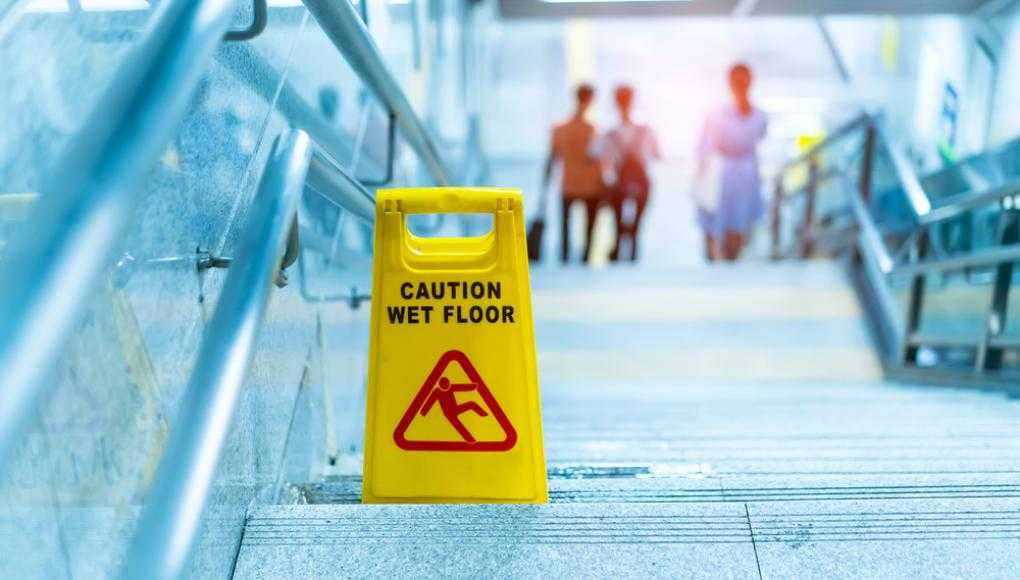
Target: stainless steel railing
915	258
90	201
340	188
343	26
171	517
49	270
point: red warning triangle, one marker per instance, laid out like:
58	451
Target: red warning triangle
439	394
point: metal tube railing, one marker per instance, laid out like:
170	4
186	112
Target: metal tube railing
900	330
964	202
172	514
839	134
869	233
905	174
341	23
875	138
339	187
981	258
51	267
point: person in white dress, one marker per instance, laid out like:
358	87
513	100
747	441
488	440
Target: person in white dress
730	137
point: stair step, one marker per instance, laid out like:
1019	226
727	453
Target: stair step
886	538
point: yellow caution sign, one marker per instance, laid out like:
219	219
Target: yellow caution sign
453	405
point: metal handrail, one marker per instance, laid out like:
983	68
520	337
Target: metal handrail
978	259
259	21
170	520
964	202
905	173
345	28
339	187
924	209
901	336
869	232
843	131
51	267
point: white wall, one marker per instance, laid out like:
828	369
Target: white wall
1005	113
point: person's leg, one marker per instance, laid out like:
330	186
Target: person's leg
710	251
731	245
640	202
616	200
739	243
591	205
565	230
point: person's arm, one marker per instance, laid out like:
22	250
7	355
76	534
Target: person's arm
704	151
653	144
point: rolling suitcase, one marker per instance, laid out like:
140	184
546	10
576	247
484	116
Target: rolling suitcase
536	229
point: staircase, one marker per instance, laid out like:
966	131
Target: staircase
726	421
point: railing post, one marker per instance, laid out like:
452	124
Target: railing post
867	163
915	306
988	356
806	241
777	218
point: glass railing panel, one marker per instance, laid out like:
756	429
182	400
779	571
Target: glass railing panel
82	51
393	26
122	375
84	471
29	516
14	208
888	205
945	183
1008	160
346	104
71	488
831	205
973	230
1011	328
956	305
899	290
255	83
344	359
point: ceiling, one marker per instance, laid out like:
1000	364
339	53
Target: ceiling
584	8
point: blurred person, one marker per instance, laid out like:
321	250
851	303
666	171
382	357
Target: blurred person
731	134
627	150
582	174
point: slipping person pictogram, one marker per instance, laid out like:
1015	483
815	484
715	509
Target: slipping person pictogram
439	390
446	395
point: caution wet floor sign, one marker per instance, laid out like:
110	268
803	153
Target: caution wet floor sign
453	405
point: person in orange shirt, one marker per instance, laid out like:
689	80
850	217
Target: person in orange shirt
582	172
